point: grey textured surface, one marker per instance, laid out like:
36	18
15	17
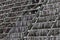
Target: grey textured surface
30	20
